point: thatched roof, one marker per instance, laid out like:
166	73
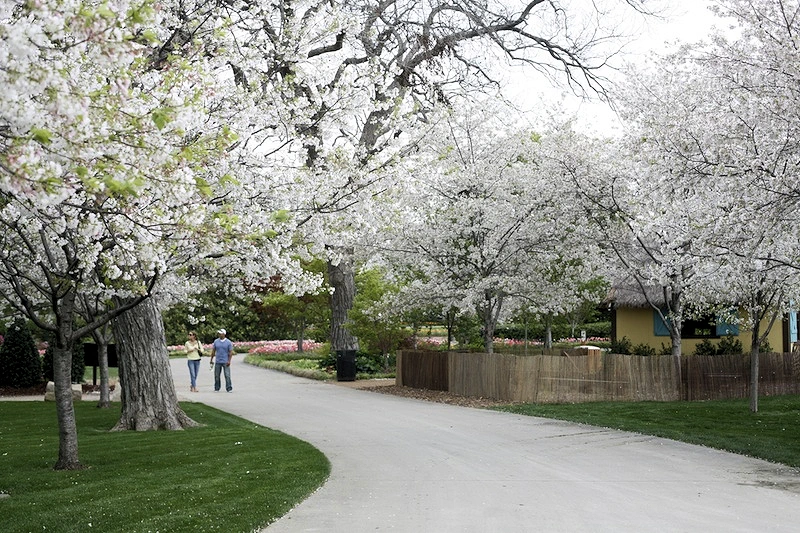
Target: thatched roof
630	295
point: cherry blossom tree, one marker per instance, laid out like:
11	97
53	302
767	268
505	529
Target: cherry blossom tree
100	163
718	124
356	77
486	226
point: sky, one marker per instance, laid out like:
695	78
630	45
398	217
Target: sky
682	20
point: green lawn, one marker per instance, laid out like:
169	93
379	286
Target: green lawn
230	475
772	434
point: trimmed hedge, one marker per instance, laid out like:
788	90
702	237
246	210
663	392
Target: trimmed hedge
20	364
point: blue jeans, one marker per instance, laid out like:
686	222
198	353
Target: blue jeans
194	368
227	370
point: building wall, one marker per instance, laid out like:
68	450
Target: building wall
637	325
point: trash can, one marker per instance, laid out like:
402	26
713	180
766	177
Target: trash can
345	365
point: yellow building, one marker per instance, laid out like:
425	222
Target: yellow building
633	317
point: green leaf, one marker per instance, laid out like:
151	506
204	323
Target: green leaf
150	36
282	215
41	135
203	186
105	12
161	117
227	178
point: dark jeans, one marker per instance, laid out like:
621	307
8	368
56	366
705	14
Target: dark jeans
227	370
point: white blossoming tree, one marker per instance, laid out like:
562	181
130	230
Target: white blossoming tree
485	223
357	77
113	174
721	123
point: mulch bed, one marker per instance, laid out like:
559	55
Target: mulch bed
36	390
437	396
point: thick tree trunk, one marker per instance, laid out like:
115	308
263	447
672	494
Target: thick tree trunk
148	394
342	280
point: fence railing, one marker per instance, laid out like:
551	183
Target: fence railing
595	376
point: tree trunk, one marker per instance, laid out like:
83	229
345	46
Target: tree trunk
148	394
526	335
300	333
489	313
755	347
62	380
343	281
676	354
65	409
675	326
548	332
101	338
102	362
450	322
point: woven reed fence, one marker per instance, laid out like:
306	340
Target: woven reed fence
728	376
594	377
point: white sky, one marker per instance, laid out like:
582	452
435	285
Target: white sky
682	20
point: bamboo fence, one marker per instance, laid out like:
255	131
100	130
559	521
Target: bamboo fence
590	375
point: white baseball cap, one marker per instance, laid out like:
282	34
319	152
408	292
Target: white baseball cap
221	330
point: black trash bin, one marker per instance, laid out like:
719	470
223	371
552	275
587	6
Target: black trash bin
345	365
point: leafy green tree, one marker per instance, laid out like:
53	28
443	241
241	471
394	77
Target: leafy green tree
372	318
20	365
214	309
300	317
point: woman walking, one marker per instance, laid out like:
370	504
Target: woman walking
194	350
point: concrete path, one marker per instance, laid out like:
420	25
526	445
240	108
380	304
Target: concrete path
412	466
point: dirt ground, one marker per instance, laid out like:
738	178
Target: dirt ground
387	386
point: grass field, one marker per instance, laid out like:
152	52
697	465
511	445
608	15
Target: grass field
773	433
228	475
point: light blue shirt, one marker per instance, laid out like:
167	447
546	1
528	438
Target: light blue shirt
223	348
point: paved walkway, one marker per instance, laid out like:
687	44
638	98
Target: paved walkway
412	466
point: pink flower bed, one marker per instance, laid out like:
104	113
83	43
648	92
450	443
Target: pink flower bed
516	342
433	341
261	346
283	346
536	342
588	340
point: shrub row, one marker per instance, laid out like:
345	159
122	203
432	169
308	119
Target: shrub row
559	331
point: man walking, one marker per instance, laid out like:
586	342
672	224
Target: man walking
222	351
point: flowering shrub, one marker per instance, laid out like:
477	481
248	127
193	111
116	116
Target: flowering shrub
283	346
